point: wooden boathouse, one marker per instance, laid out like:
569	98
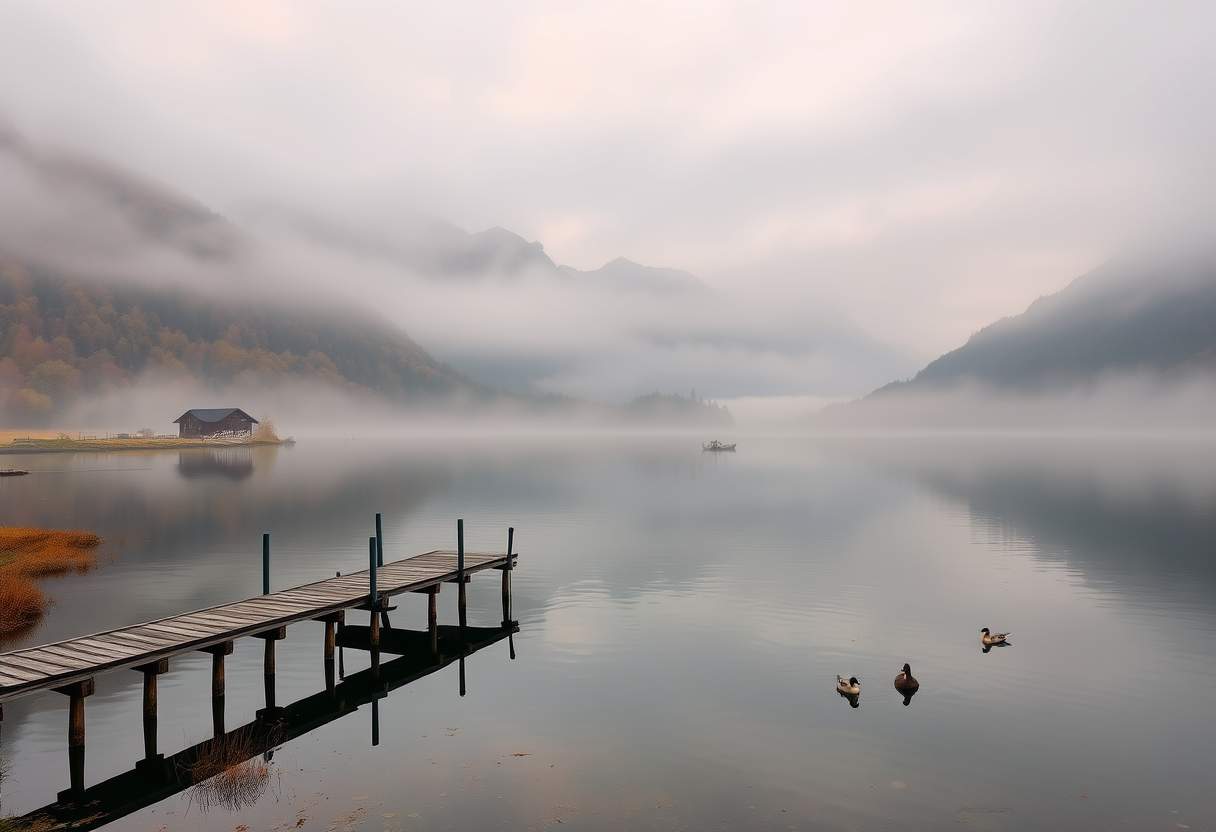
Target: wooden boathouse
203	422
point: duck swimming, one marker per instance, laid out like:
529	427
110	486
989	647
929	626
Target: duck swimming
905	682
849	687
988	639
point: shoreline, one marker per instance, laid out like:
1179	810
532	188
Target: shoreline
51	446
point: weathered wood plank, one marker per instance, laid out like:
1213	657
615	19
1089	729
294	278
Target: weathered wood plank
46	668
107	647
77	650
9	681
185	632
41	656
229	621
77	658
20	672
144	638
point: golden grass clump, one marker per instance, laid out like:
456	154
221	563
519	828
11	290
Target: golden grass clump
21	603
27	554
266	432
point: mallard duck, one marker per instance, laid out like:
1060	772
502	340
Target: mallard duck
904	682
988	639
849	687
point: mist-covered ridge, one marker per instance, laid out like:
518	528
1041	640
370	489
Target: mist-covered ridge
1131	344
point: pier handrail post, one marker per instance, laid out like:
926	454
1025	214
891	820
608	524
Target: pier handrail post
379	542
506	579
460	580
266	563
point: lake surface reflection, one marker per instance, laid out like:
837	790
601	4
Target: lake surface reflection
683	616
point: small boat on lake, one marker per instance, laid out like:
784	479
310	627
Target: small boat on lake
12	472
715	445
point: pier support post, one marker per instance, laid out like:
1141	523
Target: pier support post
270	637
218	652
506	580
432	617
460	578
332	622
151	672
341	652
76	694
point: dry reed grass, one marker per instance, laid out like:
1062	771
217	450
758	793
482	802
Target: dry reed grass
7	435
266	432
230	773
27	554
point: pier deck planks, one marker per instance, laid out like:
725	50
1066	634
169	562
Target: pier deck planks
62	663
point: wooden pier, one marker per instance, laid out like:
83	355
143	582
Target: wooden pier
138	788
69	667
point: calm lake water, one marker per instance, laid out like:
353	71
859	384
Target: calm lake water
682	618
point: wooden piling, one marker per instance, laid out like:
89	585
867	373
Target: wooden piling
330	638
268	664
76	693
332	622
432	617
218	652
151	672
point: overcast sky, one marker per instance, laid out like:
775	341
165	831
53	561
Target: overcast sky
919	169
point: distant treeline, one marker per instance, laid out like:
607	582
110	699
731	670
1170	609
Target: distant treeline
676	409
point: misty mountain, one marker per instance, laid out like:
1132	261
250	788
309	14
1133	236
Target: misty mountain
1122	317
430	247
630	276
106	205
1143	323
492	304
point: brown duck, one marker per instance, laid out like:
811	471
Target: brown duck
905	682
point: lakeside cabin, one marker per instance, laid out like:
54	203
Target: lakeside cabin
201	423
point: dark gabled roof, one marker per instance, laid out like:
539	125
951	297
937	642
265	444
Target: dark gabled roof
214	414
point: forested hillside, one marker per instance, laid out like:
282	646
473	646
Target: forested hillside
62	338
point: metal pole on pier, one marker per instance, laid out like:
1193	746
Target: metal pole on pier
266	563
460	576
379	542
372	599
506	580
